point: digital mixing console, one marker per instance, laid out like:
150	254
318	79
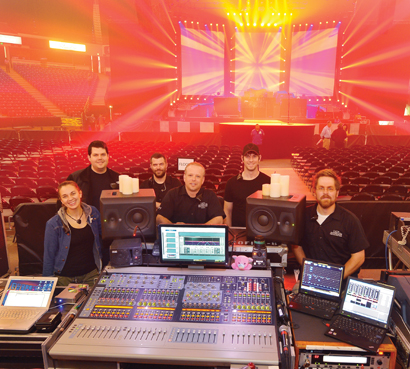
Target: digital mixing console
175	316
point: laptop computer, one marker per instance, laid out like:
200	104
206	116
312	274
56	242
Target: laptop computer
194	244
364	314
24	301
319	289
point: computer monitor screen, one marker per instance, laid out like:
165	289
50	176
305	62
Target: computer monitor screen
193	244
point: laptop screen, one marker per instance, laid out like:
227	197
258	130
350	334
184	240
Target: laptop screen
370	300
193	244
28	292
321	277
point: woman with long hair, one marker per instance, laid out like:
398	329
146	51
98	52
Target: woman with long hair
72	245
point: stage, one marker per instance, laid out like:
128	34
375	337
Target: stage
279	140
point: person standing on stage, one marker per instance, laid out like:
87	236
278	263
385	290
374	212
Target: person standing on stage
238	188
326	135
257	135
160	181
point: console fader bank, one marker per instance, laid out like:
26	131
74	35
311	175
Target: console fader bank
175	316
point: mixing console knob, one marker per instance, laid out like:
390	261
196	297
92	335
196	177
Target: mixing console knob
379	362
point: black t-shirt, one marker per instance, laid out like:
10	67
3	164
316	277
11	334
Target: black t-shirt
336	239
161	189
178	206
80	258
237	190
98	183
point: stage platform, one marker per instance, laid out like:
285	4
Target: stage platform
279	140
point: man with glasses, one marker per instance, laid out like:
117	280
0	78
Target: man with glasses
332	233
241	186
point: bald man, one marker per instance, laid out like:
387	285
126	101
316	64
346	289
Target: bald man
191	203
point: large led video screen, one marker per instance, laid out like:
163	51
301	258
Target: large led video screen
257	61
202	62
313	62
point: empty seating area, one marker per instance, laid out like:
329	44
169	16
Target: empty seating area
30	170
15	101
367	172
68	88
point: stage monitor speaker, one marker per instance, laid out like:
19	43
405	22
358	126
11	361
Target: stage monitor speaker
125	253
121	214
30	224
276	219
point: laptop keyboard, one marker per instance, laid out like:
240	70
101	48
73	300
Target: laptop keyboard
357	328
315	302
17	314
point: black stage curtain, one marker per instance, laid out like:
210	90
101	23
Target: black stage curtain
375	219
8	134
145	136
197	138
388	140
83	138
30	121
44	135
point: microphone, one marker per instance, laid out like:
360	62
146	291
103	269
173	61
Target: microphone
284	333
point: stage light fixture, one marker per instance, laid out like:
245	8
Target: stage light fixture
67	46
7	39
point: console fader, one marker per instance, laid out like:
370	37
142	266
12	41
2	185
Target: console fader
177	316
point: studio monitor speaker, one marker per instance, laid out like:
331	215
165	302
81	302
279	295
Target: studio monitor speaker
276	219
122	214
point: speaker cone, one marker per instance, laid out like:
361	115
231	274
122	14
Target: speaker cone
112	220
137	217
286	221
262	221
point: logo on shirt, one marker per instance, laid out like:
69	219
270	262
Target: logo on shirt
336	233
203	205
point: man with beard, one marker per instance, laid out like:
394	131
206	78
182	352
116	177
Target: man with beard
241	186
160	181
332	233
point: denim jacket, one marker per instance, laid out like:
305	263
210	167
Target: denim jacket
57	240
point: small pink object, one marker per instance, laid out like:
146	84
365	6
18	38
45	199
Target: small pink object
242	262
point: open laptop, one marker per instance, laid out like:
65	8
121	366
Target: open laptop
24	301
194	244
364	314
319	289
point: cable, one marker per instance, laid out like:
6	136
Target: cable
385	250
143	238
